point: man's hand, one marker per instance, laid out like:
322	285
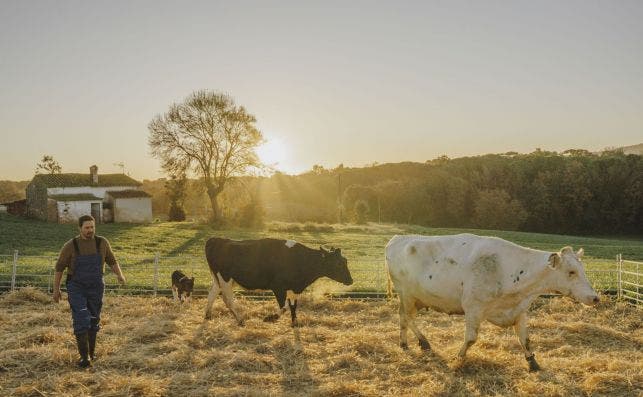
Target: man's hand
119	273
57	276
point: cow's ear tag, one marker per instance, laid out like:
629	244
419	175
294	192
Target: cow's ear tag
554	260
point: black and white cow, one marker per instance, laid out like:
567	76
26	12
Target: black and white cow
182	286
284	267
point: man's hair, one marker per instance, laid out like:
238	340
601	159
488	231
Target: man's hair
84	219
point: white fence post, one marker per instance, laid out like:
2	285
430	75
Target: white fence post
619	286
156	272
381	279
14	270
49	277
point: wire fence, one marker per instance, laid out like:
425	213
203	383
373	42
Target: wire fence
629	284
151	275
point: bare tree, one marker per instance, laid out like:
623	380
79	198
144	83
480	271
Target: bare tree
48	165
208	135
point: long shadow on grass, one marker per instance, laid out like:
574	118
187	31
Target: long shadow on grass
430	358
141	341
472	374
491	378
478	376
296	375
546	376
198	237
591	337
475	373
289	354
478	371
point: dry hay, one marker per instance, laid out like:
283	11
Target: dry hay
155	347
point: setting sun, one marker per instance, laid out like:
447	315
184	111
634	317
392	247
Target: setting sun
274	153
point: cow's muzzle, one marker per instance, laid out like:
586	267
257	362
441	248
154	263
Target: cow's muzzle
591	300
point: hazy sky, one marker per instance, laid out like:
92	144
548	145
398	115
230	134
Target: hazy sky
350	82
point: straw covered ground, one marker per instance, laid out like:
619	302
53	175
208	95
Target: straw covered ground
155	347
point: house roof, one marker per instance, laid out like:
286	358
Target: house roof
75	197
16	202
128	193
80	180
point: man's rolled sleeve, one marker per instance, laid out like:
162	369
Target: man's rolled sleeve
110	259
64	258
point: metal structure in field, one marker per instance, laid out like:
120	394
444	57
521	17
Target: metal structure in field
629	280
151	275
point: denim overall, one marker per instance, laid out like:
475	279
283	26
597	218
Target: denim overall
85	290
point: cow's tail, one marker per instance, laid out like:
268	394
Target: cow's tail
390	255
389	282
211	247
215	279
389	287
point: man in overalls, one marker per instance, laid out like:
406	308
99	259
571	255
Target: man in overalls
84	257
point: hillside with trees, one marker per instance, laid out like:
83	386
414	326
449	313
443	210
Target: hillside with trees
571	192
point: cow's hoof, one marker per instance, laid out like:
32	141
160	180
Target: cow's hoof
295	324
271	318
533	365
404	346
424	344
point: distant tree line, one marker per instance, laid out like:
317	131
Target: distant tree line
570	192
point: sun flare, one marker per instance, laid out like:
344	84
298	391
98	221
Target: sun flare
274	153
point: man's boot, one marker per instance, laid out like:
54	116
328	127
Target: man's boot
91	337
83	350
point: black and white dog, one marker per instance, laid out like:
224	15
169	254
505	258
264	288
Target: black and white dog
181	286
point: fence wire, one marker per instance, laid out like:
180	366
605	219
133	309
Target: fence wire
629	283
152	275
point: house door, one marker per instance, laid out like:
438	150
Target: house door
96	211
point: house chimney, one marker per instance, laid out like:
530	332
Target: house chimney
93	173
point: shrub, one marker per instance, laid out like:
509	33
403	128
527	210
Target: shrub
251	215
176	213
361	210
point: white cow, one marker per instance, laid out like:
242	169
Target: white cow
484	278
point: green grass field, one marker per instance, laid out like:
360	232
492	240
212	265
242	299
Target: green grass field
180	246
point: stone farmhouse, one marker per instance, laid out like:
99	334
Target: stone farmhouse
63	198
